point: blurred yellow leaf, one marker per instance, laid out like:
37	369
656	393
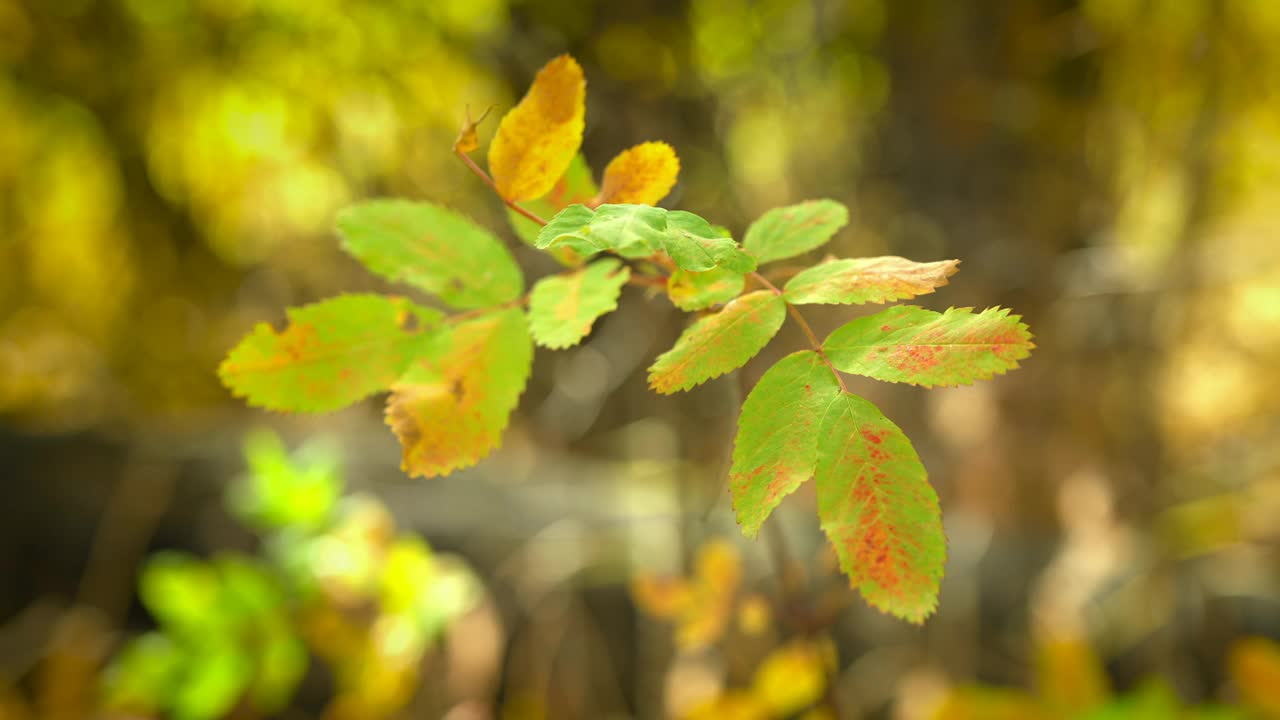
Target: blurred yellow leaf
791	678
754	615
1255	670
643	174
979	703
734	705
538	138
661	597
702	605
1071	676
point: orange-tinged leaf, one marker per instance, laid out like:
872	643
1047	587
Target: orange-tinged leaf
867	280
755	615
538	138
878	509
702	605
719	343
467	139
1255	671
642	175
662	597
450	408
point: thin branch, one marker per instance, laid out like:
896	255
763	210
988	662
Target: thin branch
480	173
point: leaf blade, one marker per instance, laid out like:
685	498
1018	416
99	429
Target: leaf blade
795	229
913	345
776	447
575	187
431	248
719	343
700	290
631	231
867	280
537	139
330	355
642	174
695	245
451	407
562	308
878	510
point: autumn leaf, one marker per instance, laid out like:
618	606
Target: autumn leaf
776	448
642	175
700	290
575	187
538	138
697	246
867	280
431	248
450	408
467	139
719	343
1255	671
795	229
331	354
792	677
878	510
700	605
913	345
562	308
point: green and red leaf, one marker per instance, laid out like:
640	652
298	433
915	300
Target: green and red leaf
795	229
562	308
878	510
867	280
776	448
433	249
913	345
719	343
332	353
451	407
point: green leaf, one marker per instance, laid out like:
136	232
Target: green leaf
878	510
562	308
776	448
450	408
719	343
333	353
701	290
867	280
182	593
793	230
912	345
281	666
576	186
215	678
431	248
695	245
142	674
282	491
632	231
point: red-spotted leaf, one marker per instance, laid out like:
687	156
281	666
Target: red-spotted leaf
331	354
776	449
719	343
450	408
910	344
867	280
878	510
795	229
562	308
433	249
700	290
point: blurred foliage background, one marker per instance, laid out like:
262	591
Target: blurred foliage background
169	172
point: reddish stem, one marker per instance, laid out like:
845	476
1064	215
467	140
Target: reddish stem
480	173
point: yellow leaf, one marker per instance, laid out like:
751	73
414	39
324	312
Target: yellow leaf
538	138
1255	670
980	703
733	705
1072	679
754	615
661	597
791	678
642	175
467	139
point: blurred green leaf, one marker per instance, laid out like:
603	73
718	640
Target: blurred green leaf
283	491
216	676
143	673
182	593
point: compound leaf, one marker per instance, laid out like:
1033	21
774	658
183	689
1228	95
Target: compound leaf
867	280
333	353
913	345
795	229
695	245
431	248
878	510
700	290
719	343
632	231
538	138
643	174
776	448
450	408
562	308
